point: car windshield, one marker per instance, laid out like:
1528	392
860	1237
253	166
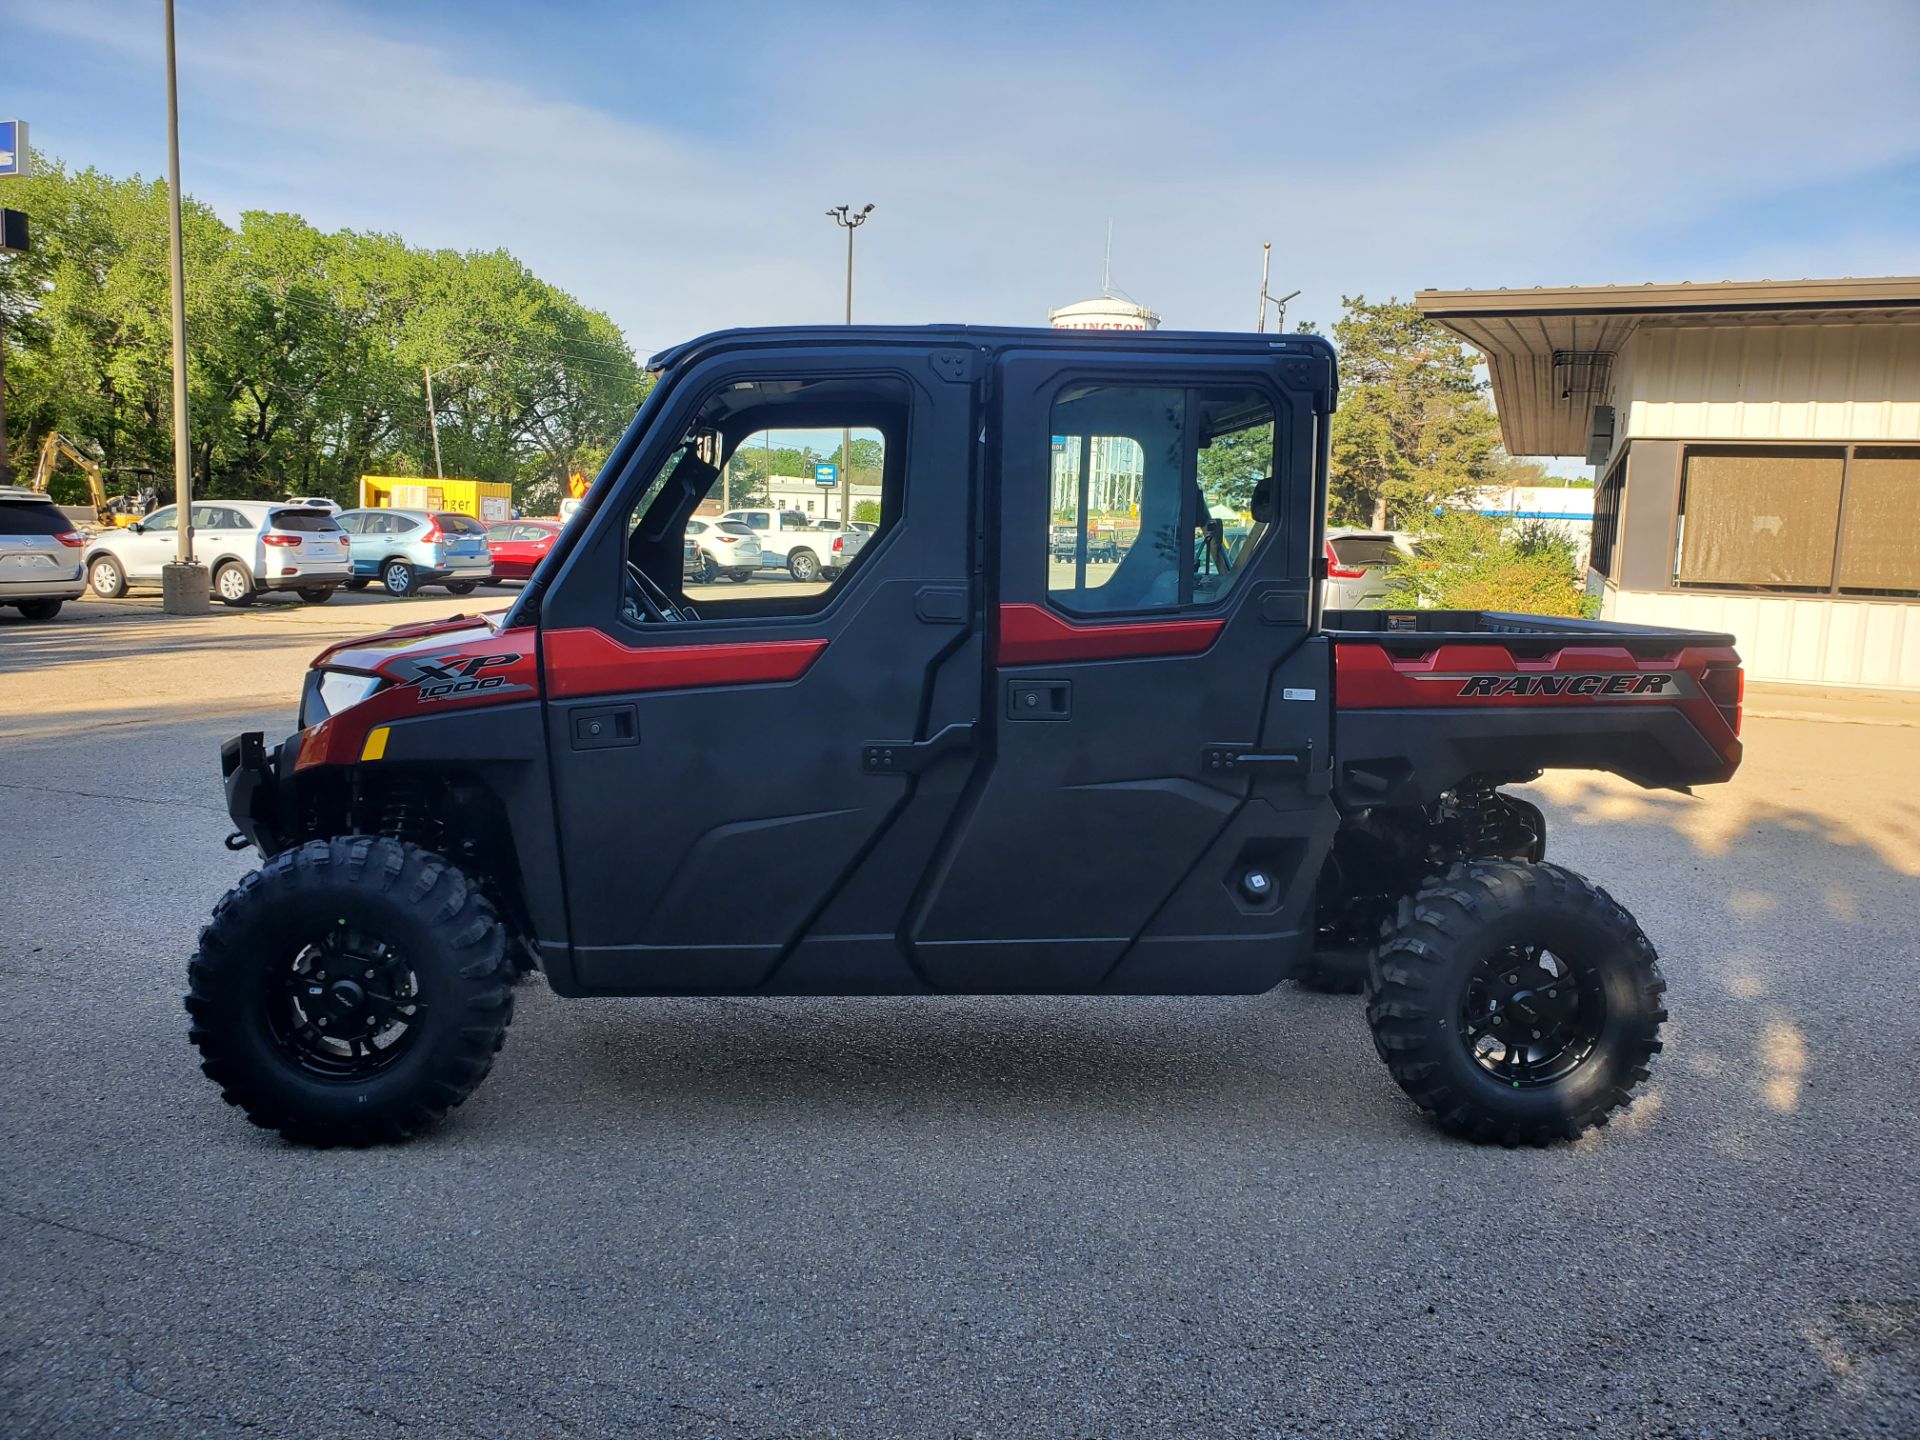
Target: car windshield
307	520
452	524
32	517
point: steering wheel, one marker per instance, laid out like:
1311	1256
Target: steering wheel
660	606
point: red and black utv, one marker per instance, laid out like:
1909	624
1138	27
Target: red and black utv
970	763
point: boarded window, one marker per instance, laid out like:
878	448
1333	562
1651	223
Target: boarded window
1760	518
1881	549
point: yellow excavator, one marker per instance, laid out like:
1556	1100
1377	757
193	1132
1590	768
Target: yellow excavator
108	510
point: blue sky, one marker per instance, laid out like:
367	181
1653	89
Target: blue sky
670	164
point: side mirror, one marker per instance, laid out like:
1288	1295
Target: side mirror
137	528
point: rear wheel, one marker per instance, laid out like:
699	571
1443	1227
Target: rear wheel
740	577
1516	1003
319	595
233	583
351	991
398	578
462	587
39	609
105	578
803	565
359	582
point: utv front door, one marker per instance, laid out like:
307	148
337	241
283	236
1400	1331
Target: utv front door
747	794
1156	803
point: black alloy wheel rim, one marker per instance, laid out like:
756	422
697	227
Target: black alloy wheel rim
347	1006
1531	1016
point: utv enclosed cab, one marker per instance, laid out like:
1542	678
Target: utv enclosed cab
977	760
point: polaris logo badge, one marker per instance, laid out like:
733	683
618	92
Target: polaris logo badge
1616	685
464	677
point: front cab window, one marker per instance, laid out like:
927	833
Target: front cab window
748	516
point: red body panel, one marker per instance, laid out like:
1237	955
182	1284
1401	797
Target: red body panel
1703	682
586	662
1034	635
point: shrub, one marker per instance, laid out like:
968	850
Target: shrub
1464	561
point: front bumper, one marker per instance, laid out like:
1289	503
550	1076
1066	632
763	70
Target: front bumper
252	777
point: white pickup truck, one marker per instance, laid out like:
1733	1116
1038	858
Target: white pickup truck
789	541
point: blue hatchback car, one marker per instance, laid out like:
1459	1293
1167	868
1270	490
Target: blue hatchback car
405	549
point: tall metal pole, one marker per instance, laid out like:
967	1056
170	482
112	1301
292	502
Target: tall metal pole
433	422
187	592
1266	259
851	220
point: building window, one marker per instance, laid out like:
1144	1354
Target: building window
1879	534
1606	517
1759	519
1805	520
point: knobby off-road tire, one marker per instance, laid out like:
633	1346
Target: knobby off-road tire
302	957
1481	975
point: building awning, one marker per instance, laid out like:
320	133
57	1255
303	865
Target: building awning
1550	350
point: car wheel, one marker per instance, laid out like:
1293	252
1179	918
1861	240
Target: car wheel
463	587
739	577
396	576
39	609
803	565
233	584
1515	1003
106	579
318	596
359	582
351	991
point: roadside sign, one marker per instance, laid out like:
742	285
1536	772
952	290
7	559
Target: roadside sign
826	474
13	149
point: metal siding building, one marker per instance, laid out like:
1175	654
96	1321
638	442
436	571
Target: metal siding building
1757	453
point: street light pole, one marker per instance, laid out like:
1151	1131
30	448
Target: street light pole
183	583
433	412
850	220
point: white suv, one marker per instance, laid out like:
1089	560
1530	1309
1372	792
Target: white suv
39	554
247	546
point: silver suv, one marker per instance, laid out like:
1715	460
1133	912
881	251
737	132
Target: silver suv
39	554
247	546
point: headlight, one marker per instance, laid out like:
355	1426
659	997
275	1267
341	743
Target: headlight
328	692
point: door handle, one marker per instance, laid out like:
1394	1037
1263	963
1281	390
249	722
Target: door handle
605	726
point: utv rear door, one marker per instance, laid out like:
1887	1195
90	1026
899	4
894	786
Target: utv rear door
1155	805
747	796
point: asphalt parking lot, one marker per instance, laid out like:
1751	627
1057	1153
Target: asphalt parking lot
1029	1217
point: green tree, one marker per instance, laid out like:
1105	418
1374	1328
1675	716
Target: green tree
867	511
1414	429
1466	561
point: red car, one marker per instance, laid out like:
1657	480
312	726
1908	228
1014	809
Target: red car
519	545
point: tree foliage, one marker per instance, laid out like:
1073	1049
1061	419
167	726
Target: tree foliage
305	350
1414	429
1466	561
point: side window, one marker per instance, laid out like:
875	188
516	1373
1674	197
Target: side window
772	458
1158	496
161	520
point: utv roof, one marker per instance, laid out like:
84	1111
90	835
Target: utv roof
990	337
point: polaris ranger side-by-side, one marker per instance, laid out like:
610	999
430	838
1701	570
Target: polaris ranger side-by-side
970	764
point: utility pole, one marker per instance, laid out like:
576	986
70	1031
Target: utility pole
850	220
183	584
433	411
1266	259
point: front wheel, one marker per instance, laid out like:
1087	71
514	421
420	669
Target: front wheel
106	579
351	991
1515	1003
397	578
